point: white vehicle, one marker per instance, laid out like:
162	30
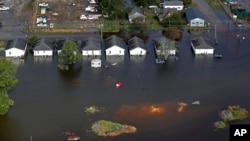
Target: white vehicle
90	9
41	25
83	17
43	4
92	2
51	25
41	20
4	8
93	17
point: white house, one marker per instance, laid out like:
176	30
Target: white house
194	17
114	46
136	46
173	4
16	48
91	47
201	46
44	47
96	63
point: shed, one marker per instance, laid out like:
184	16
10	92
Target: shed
194	17
136	46
96	63
201	46
16	48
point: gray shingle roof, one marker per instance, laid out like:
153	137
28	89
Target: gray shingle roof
114	40
91	43
172	3
19	43
44	44
192	13
135	42
136	9
201	43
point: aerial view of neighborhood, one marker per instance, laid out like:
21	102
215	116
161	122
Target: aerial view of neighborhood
119	70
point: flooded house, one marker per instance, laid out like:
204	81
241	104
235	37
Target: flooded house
114	45
44	47
91	46
16	48
201	46
136	46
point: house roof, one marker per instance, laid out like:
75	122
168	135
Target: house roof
164	43
114	40
19	43
91	43
166	11
136	9
192	13
172	3
44	44
201	43
136	42
60	43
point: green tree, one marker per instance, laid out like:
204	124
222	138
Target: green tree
32	41
7	74
172	33
187	2
5	102
113	8
69	55
176	19
7	81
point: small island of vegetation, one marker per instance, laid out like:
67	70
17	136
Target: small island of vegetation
232	113
108	128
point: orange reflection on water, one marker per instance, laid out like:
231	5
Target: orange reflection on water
140	111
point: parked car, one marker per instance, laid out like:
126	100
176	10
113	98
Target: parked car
83	17
42	25
4	8
90	8
43	4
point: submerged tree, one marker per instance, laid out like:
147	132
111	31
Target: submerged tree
172	33
7	81
69	55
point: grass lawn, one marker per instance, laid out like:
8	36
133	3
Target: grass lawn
214	4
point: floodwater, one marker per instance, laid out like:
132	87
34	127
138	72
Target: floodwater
49	102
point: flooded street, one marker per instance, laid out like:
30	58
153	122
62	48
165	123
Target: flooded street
49	102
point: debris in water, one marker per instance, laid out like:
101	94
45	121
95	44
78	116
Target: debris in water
196	102
181	106
119	85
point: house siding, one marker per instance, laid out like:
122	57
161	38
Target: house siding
137	51
197	22
91	52
14	52
115	50
43	52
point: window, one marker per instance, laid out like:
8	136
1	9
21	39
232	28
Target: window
10	53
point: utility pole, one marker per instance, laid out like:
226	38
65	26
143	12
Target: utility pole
215	36
36	7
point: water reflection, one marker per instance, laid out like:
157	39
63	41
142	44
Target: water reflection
39	60
16	61
114	59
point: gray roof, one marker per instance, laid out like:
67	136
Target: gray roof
19	43
136	9
192	13
114	40
201	43
135	42
91	43
166	11
172	3
60	43
44	44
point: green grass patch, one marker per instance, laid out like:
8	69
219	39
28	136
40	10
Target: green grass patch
214	4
